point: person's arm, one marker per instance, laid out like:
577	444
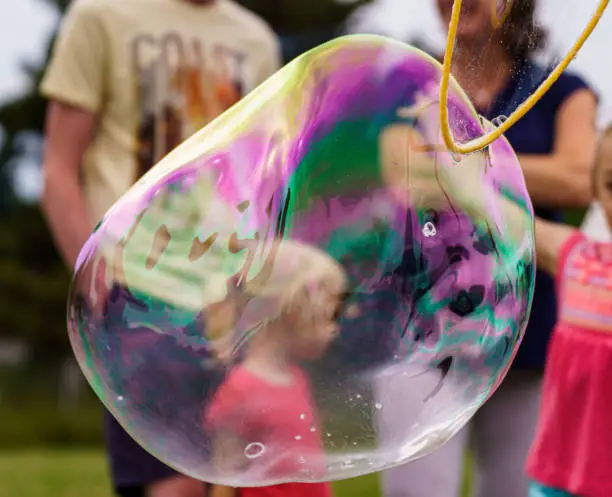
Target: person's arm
223	491
550	239
412	174
223	419
75	84
563	178
227	449
68	134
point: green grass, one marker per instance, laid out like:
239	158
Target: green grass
56	473
76	473
365	486
40	473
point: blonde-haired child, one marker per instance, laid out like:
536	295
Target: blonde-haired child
263	416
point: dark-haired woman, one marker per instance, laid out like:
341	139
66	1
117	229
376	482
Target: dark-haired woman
555	143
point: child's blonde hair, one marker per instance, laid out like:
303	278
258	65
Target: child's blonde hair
290	279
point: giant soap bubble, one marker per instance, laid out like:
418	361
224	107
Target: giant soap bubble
237	307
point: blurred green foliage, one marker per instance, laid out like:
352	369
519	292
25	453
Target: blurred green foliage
54	473
34	285
574	217
26	113
33	281
30	415
42	424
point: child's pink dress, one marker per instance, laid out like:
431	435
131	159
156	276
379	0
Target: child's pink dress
280	429
572	450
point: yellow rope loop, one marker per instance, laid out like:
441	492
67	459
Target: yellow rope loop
488	138
498	20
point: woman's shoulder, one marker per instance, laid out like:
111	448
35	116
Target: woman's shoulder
568	83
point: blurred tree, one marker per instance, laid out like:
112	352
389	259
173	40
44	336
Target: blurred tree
33	280
23	114
34	286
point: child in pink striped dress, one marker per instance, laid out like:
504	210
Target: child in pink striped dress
571	455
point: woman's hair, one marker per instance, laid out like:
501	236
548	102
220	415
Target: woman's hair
521	36
290	276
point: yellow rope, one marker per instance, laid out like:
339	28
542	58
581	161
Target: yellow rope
488	138
496	20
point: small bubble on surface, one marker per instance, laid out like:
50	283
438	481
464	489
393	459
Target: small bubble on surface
254	450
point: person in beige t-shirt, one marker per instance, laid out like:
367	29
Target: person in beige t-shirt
128	81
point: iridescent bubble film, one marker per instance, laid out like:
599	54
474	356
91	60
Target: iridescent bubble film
238	309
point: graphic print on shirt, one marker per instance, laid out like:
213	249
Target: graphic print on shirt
182	85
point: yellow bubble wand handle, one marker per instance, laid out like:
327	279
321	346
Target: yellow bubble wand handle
488	138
